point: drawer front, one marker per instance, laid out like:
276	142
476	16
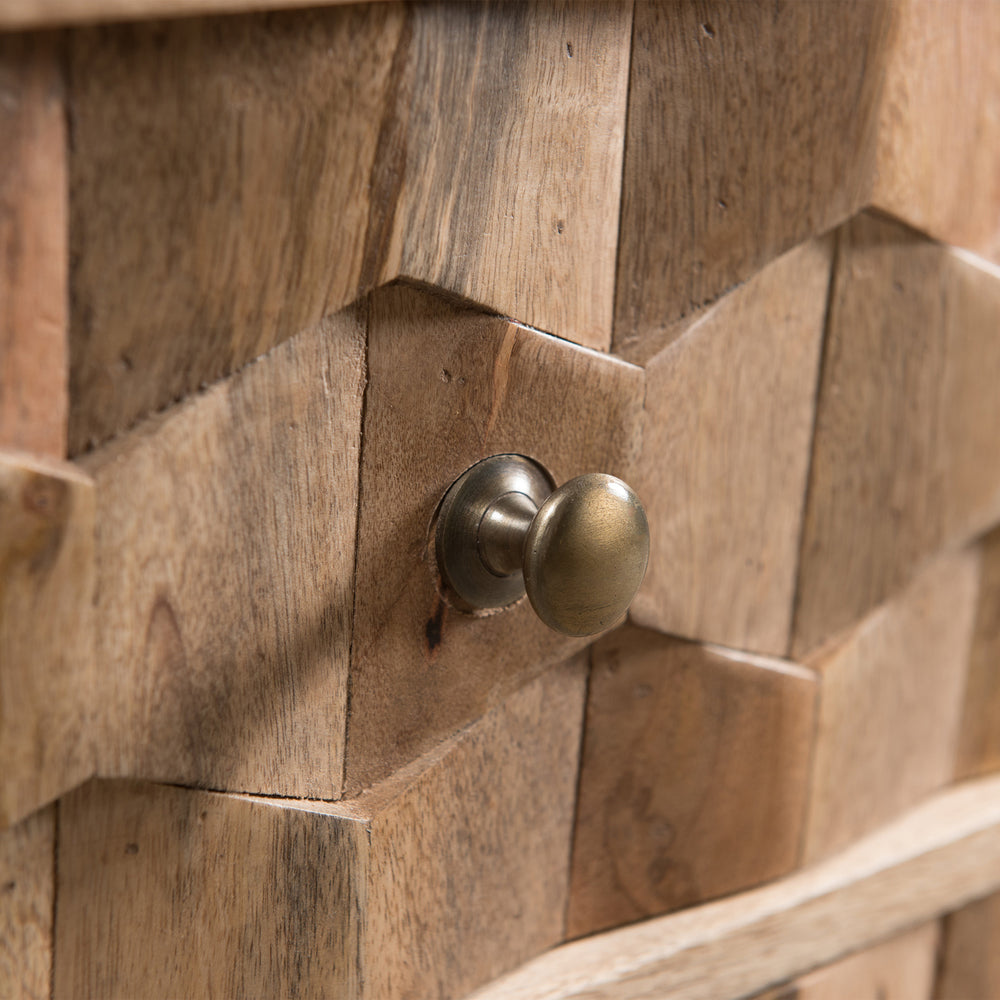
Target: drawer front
271	282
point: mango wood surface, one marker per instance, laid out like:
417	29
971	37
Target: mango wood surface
27	884
225	568
236	184
48	671
908	418
936	858
737	148
451	872
20	14
219	195
447	387
33	251
725	456
235	180
44	693
890	706
170	892
979	733
694	777
970	953
900	969
507	188
939	123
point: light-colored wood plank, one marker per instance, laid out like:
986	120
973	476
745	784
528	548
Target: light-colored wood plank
514	160
470	857
46	514
979	733
169	892
422	146
936	858
694	777
33	247
970	955
447	388
451	872
226	531
27	883
725	457
183	275
908	417
939	123
899	969
890	706
20	14
48	671
737	148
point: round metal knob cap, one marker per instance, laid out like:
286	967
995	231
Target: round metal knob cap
585	554
580	551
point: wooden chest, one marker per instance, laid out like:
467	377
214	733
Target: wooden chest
271	281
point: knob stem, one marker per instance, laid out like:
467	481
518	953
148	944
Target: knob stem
503	530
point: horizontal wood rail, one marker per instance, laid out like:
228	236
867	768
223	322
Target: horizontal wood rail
19	14
934	859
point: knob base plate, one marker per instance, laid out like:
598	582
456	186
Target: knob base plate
463	569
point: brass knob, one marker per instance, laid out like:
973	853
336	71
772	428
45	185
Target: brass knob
579	551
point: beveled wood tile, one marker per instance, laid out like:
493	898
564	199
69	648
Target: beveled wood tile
225	562
725	455
939	123
447	387
33	247
979	734
694	777
48	670
970	952
890	706
907	418
899	969
738	148
27	883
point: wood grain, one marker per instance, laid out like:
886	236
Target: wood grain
33	247
694	777
20	14
422	146
970	953
936	858
448	874
725	456
169	892
470	858
448	387
907	413
890	706
27	884
226	531
209	222
46	514
900	969
514	160
47	667
737	148
979	733
939	123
